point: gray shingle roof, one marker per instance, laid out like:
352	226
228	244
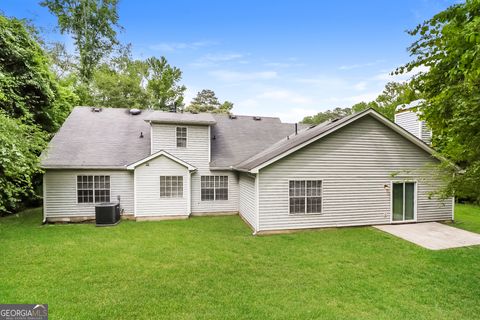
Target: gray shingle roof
111	138
106	139
184	118
235	140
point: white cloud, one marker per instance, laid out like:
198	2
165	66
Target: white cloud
360	86
285	96
347	101
385	75
295	114
175	46
322	81
213	59
360	65
233	76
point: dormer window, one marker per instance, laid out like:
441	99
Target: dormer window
181	137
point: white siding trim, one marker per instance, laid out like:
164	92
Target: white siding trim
257	206
453	208
44	194
209	144
151	137
189	194
161	153
134	194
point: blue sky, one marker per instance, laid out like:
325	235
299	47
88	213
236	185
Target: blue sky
283	58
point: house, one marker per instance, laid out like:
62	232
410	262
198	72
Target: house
358	170
407	117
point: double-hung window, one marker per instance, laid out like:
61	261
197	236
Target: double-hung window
93	189
214	188
171	187
181	137
305	196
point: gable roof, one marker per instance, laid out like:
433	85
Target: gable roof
296	142
181	118
158	154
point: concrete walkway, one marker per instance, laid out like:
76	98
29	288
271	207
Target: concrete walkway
432	235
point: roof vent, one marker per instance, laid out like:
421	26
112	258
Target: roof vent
232	116
96	109
257	118
134	112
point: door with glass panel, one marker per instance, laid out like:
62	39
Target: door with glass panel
403	201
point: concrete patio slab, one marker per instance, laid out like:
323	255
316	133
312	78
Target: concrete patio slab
432	235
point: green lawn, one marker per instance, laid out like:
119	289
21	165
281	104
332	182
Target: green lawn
213	268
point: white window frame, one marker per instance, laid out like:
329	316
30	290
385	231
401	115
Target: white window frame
178	137
305	197
415	199
171	188
93	188
215	188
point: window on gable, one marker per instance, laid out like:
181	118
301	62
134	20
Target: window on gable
181	137
171	187
305	196
93	189
214	188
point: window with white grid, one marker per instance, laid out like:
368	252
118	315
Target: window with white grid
214	188
181	137
171	186
93	189
305	196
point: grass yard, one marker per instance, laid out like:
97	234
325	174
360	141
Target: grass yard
213	268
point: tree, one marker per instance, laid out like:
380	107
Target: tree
28	89
126	83
20	145
119	84
327	115
447	46
207	101
163	88
92	24
393	95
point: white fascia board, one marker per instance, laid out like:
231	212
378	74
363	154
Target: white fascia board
158	154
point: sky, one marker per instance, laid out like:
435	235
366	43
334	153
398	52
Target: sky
278	58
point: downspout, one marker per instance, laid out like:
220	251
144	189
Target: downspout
44	199
257	202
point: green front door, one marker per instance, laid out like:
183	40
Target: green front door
403	201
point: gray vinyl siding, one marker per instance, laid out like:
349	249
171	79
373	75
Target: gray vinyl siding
61	192
409	121
147	189
248	199
426	133
197	153
356	164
